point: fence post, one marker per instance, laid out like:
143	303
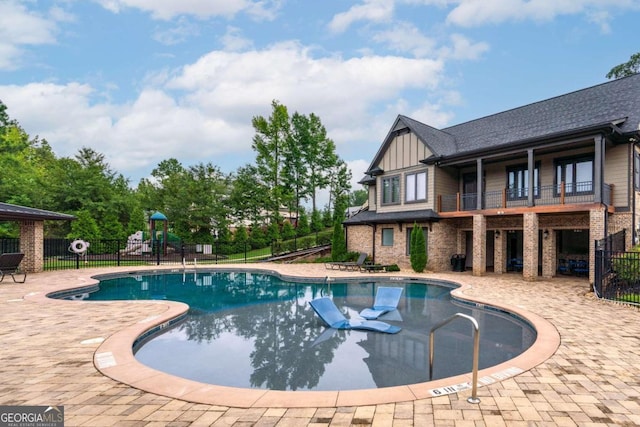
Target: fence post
217	246
158	249
245	252
118	251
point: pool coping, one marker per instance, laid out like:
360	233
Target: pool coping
114	358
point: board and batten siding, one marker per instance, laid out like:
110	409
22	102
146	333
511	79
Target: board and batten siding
445	182
403	156
618	170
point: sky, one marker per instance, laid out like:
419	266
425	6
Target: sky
142	81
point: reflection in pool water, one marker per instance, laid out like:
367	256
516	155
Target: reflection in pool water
255	330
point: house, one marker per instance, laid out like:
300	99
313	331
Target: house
528	190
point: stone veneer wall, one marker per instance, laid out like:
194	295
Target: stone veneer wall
359	239
622	221
32	245
447	237
442	244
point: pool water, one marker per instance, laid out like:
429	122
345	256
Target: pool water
255	330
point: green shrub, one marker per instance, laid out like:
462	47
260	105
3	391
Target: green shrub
338	243
627	266
418	251
392	267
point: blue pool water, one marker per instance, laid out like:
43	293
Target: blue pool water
255	330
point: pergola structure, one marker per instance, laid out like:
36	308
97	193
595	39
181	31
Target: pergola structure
31	232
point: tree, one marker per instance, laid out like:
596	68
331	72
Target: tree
358	197
327	217
320	157
271	136
288	232
338	243
418	249
193	199
85	227
628	68
316	221
240	238
303	228
247	196
257	238
339	190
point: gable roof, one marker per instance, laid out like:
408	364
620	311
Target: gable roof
435	140
612	106
9	212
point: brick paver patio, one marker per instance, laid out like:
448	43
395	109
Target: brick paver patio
593	379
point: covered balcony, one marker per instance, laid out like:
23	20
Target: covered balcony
560	197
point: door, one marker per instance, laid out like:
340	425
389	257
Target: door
469	191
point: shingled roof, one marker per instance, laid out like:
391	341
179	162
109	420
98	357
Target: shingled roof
10	212
613	105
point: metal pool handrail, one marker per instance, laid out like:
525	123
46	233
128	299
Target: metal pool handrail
476	351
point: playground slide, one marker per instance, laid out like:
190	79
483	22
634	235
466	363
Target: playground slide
132	248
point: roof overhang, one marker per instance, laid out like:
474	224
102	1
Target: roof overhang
9	212
371	217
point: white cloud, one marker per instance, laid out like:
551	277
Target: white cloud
20	27
180	32
203	111
339	90
463	49
358	168
203	9
234	41
473	13
406	38
370	10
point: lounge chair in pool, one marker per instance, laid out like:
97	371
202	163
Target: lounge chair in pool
386	300
10	264
327	310
347	265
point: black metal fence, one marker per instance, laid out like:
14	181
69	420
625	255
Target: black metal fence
60	254
617	273
613	242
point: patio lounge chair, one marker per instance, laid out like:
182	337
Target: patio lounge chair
354	266
373	268
327	310
10	264
386	300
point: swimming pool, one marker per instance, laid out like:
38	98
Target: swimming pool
255	330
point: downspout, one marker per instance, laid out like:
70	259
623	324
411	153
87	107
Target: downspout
373	243
634	229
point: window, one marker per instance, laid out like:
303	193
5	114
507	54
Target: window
426	242
518	181
387	237
577	175
391	190
416	187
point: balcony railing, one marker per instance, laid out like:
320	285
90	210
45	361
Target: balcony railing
546	195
